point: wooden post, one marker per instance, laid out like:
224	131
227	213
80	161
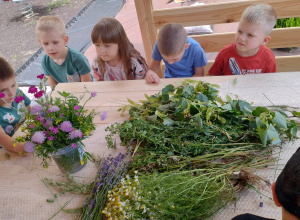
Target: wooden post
144	10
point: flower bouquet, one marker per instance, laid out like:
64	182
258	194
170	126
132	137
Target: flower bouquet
55	127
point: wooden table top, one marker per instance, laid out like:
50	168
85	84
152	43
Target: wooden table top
112	95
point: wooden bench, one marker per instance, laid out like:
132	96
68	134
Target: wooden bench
151	20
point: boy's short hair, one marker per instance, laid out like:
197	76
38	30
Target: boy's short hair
171	39
287	185
6	70
50	23
262	14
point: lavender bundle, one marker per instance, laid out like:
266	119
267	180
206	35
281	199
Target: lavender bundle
110	173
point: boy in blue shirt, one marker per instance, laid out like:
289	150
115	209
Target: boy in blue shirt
61	63
10	116
183	56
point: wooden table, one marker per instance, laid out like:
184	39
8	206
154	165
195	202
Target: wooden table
23	194
111	96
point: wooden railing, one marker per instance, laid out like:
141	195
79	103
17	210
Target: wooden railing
151	20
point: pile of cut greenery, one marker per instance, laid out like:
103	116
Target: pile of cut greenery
197	149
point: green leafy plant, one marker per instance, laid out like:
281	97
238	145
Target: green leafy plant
285	23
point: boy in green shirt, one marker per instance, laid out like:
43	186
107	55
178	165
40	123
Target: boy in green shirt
61	63
11	101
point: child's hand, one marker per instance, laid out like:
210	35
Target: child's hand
152	77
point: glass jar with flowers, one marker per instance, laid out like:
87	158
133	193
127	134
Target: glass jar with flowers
55	127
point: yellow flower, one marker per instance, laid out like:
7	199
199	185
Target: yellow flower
14	144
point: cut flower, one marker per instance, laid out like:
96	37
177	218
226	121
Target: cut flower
52	124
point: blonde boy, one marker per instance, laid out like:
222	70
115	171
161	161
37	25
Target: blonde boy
10	116
61	63
249	55
183	56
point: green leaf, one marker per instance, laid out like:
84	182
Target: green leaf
226	107
151	118
209	113
279	121
64	94
164	108
220	100
245	107
202	98
168	122
259	110
263	136
132	102
228	98
272	135
159	114
168	89
189	89
296	113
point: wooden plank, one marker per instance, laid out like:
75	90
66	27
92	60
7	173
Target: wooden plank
225	12
280	38
288	63
104	88
144	10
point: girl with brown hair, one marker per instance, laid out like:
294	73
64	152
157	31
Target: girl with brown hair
117	59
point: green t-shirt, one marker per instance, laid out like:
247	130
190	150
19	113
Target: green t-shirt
75	64
9	117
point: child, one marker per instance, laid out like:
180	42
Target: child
249	55
61	63
286	191
183	56
10	116
116	57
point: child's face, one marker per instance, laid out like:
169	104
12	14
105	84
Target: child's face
53	44
177	57
107	52
9	88
249	37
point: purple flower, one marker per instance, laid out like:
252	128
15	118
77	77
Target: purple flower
2	95
19	99
31	126
36	109
93	94
38	137
40	76
73	145
54	108
61	115
48	123
261	204
66	126
77	113
39	94
9	129
29	147
32	89
50	138
55	130
76	107
103	115
75	134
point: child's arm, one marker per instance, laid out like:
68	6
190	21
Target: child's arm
86	78
7	143
151	75
51	81
199	71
